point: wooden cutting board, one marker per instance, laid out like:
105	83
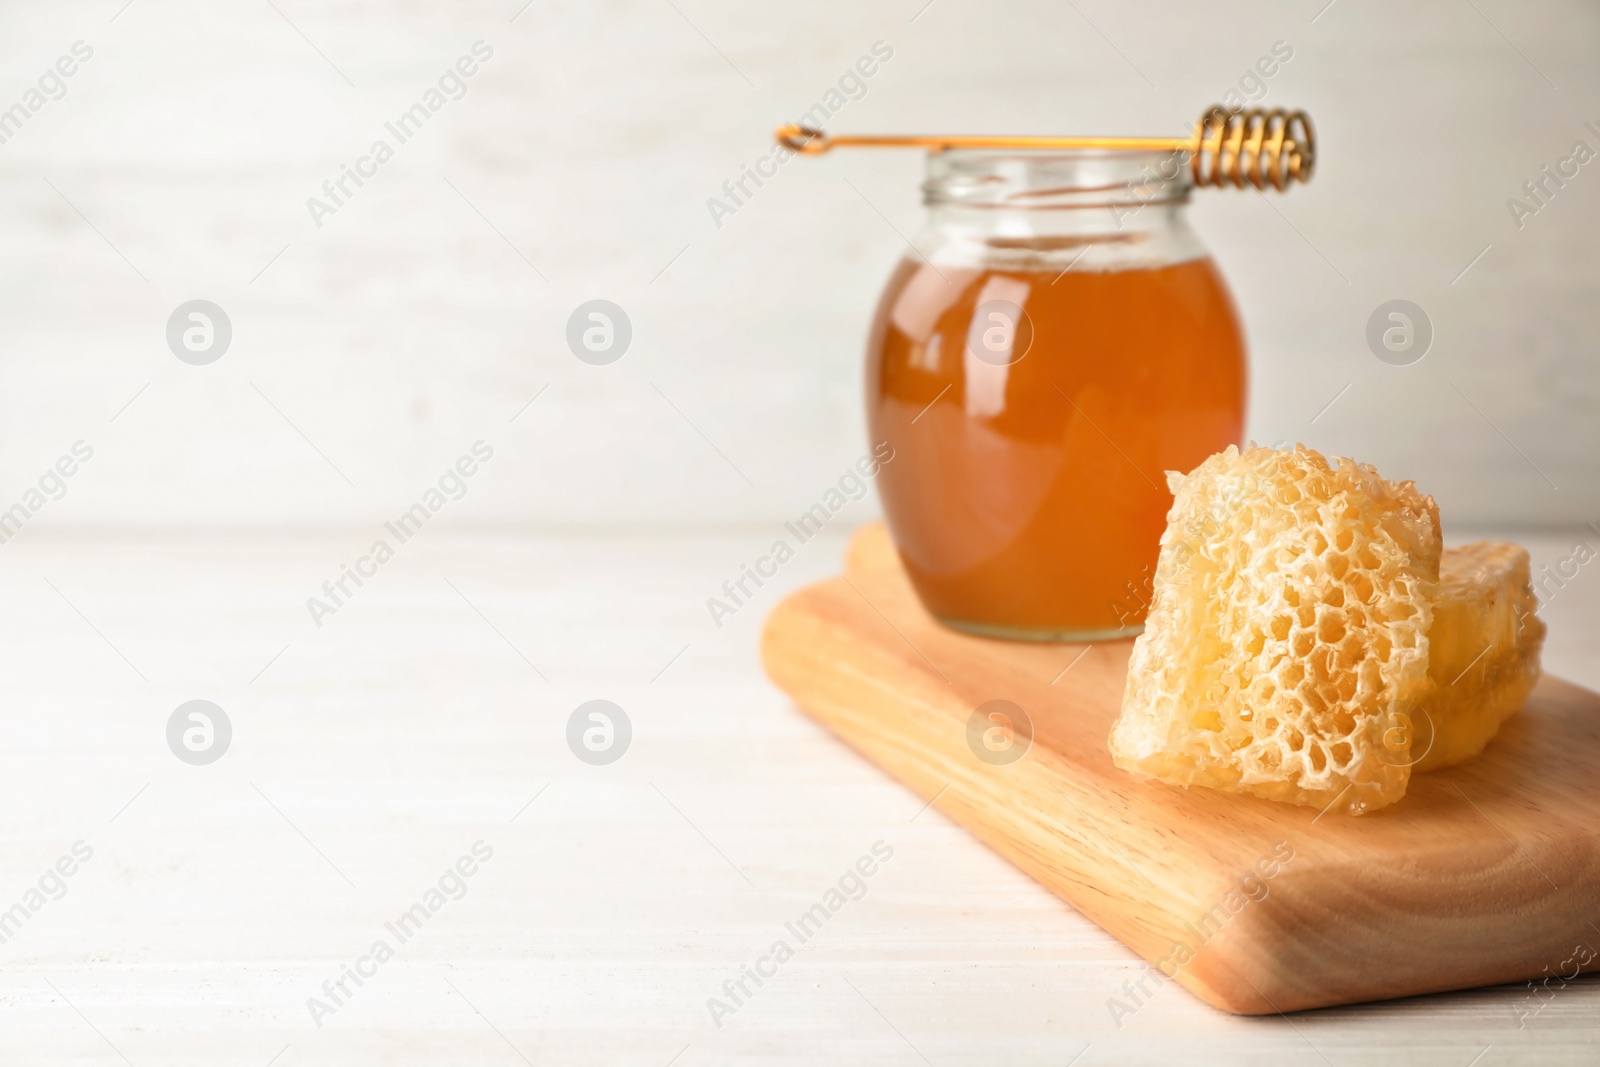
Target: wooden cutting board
1482	874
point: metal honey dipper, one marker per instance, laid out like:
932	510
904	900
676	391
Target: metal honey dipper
1255	147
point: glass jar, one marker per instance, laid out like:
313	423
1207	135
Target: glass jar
1059	340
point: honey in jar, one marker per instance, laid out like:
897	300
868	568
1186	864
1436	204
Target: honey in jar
1057	342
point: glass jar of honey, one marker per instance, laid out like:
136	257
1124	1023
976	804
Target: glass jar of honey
1058	340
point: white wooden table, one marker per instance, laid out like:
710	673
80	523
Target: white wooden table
371	754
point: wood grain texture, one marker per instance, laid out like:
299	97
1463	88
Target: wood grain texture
1484	873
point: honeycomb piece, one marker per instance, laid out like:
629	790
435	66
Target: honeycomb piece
1287	643
1483	652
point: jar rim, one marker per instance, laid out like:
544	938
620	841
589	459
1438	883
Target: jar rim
1034	179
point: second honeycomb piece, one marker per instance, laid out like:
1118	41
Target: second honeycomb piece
1483	652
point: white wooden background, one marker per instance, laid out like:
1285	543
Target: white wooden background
415	320
370	353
